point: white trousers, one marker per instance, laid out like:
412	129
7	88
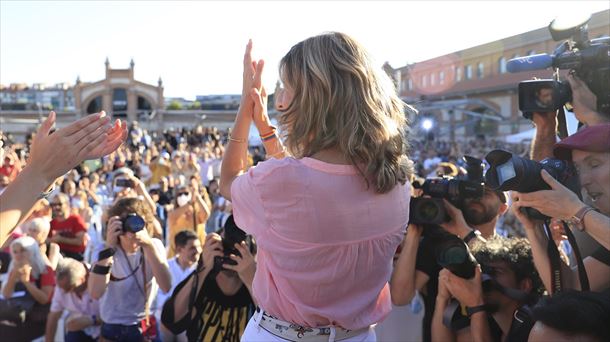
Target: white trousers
255	333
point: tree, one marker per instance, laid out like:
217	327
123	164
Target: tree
174	105
195	105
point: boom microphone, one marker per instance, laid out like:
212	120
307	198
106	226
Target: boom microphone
533	62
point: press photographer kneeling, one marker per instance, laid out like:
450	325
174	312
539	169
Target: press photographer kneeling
214	303
443	227
497	299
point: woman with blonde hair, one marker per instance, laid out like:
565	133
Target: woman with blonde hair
329	210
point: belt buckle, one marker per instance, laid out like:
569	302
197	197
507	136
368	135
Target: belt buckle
300	330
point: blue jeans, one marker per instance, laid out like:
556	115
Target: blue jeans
125	333
122	333
78	336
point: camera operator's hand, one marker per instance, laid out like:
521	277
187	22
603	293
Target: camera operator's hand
468	292
113	230
143	239
457	226
211	248
584	102
246	266
545	121
559	202
443	293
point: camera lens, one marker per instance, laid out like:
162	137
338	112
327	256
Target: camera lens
133	223
429	210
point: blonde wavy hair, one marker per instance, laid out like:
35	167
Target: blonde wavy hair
341	100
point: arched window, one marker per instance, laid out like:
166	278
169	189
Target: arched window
480	70
432	80
424	81
458	74
502	65
410	84
441	77
95	105
119	101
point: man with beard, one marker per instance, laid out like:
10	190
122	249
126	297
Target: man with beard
482	214
67	230
498	307
417	269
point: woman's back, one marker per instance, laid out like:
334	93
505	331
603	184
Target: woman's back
325	239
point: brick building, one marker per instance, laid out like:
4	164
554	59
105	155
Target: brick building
470	92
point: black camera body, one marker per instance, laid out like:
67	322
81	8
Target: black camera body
511	172
133	223
431	210
232	235
588	59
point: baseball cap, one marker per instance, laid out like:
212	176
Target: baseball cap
591	139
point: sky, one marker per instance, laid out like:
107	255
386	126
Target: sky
197	47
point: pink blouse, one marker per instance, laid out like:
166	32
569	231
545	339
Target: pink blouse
325	241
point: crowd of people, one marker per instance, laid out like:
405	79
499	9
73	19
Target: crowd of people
123	234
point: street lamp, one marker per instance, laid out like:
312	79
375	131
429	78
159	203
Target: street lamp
427	124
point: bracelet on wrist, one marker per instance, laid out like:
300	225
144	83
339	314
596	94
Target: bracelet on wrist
237	140
101	270
276	154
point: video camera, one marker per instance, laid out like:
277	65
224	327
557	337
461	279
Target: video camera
510	172
589	60
431	210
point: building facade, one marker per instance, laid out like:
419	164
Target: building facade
120	94
470	92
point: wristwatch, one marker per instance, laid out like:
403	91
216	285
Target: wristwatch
578	220
473	234
472	310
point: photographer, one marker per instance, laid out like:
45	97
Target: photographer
126	272
417	268
214	303
589	150
511	284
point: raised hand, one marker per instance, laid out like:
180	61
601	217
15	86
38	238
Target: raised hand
88	138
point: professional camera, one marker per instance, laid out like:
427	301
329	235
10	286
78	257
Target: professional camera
133	223
232	235
510	172
426	210
589	60
453	254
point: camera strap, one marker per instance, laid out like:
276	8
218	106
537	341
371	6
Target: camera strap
582	272
554	260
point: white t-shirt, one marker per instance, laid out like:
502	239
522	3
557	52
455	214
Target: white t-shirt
84	305
123	302
178	275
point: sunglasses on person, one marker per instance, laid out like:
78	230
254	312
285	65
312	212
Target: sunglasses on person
183	193
56	204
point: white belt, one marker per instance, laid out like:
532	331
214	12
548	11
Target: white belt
296	333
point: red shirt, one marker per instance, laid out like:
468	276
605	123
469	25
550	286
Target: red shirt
69	228
46	279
